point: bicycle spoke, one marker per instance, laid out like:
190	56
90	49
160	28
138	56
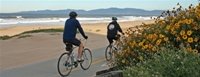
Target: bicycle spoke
84	56
108	52
87	56
64	65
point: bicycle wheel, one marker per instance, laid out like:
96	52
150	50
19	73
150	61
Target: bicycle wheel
119	46
108	53
87	57
64	65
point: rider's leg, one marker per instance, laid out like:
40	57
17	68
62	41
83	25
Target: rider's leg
110	40
80	50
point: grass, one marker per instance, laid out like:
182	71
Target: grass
98	30
5	37
22	35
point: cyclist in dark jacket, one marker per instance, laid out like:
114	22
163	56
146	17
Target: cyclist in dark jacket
70	30
112	30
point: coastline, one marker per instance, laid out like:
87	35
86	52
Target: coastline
98	28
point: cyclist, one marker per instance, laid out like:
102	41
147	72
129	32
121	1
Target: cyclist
69	34
112	30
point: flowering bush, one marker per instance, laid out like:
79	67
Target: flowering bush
167	63
178	28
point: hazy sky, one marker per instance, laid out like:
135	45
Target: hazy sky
7	6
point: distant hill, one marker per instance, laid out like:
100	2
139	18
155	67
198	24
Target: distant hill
96	12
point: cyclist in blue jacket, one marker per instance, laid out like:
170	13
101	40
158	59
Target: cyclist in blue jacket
70	30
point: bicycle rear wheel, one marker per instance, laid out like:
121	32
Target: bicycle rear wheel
87	57
108	53
64	65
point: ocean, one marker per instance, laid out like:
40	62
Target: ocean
18	20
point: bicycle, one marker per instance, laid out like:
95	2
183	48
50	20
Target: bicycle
67	60
113	48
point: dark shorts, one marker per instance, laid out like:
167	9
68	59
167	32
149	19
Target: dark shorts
74	41
110	39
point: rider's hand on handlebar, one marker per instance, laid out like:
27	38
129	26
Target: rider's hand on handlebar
86	37
122	33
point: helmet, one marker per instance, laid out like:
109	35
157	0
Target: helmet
73	14
114	18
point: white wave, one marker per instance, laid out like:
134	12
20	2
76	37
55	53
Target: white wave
1	20
81	19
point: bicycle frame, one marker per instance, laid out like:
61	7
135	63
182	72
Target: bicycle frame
112	49
67	61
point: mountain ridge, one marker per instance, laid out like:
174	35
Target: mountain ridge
95	12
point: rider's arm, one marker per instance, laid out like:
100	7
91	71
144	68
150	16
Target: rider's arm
119	28
80	29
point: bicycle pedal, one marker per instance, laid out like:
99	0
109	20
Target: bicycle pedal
66	64
116	48
109	53
75	64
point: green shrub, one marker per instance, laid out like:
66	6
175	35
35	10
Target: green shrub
22	35
178	29
5	37
167	63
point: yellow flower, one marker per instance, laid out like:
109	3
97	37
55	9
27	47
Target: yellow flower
172	29
161	35
190	40
167	27
195	27
182	32
145	47
184	37
133	42
150	46
166	39
141	43
189	49
189	32
158	42
154	49
189	21
195	51
196	39
173	32
150	36
178	38
176	26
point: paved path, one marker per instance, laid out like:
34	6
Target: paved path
49	69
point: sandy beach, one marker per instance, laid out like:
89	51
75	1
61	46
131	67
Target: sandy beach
45	46
99	28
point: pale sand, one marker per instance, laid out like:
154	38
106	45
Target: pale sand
46	46
99	28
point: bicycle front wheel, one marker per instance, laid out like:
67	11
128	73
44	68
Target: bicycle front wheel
108	53
64	65
87	57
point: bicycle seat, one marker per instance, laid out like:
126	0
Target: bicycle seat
68	47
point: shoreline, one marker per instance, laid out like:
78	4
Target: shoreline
98	28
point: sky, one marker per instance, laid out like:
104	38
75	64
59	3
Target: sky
10	6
